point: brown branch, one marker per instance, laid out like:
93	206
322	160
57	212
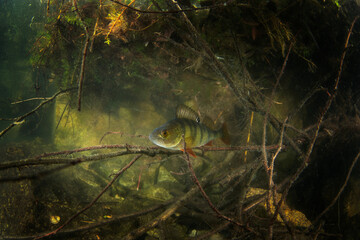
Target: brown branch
272	187
96	26
204	45
74	161
225	74
48	8
30	99
176	205
94	200
270	170
82	72
306	158
98	224
62	114
340	191
21	118
45	158
203	193
269	106
177	11
84	52
162	217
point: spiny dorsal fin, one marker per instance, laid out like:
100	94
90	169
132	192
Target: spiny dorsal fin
183	111
207	121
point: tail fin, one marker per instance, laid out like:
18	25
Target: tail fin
225	136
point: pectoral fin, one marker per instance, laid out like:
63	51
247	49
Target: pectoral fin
189	151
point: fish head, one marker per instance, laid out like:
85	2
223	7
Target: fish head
167	136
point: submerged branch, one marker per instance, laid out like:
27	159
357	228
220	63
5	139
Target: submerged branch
176	11
204	181
306	158
98	224
19	120
94	200
340	191
203	193
84	53
45	158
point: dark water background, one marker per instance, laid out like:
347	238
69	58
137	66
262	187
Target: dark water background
134	80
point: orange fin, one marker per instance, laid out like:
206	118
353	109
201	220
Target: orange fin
209	144
189	151
225	136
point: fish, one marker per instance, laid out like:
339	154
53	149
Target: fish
188	125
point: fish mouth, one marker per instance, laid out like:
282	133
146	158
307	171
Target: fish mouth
153	137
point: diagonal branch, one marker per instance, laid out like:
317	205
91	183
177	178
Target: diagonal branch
94	200
203	193
306	158
340	191
18	120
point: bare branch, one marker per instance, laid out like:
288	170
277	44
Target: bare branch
21	118
306	158
340	191
177	11
94	200
44	159
98	224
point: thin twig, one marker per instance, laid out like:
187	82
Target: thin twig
340	191
176	11
94	200
269	170
96	26
98	224
204	45
30	99
21	118
84	52
203	193
306	158
269	107
271	182
74	161
62	114
176	205
117	19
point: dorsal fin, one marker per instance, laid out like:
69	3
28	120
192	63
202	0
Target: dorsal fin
207	121
183	111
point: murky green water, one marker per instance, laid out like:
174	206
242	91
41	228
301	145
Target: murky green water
59	167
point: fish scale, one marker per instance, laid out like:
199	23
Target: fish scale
187	124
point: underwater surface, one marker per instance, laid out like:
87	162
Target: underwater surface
252	108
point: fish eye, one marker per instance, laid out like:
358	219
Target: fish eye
164	133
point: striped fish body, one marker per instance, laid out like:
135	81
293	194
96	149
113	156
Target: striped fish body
187	126
170	135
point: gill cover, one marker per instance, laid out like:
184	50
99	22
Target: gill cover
167	135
